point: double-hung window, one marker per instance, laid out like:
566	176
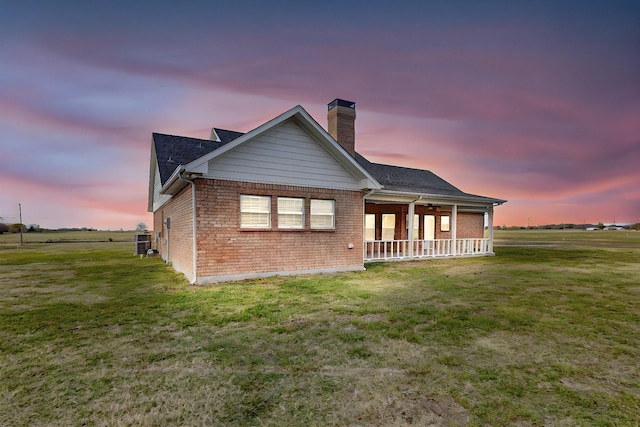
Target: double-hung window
290	213
388	226
444	223
370	227
322	214
255	211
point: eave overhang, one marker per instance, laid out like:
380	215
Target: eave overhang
174	184
394	196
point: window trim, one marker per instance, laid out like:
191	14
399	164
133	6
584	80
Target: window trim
369	229
443	226
312	215
301	213
383	228
267	212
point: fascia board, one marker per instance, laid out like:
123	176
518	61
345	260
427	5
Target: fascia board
153	164
398	196
173	184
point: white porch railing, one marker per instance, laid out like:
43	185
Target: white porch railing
385	249
380	250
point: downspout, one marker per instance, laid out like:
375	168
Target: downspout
195	246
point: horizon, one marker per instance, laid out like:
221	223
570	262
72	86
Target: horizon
535	103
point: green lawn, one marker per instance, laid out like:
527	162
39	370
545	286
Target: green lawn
541	334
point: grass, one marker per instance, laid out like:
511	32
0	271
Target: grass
13	239
542	334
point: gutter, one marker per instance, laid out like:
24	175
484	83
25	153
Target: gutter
195	245
444	197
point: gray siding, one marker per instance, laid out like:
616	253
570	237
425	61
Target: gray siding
285	155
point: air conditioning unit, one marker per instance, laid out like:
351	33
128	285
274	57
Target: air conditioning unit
142	243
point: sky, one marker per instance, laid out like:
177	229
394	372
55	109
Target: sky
536	102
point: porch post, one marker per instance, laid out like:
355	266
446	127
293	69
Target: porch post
412	209
454	227
490	225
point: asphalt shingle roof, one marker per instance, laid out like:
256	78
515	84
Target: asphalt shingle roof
172	150
409	180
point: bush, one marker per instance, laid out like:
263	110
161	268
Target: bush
15	228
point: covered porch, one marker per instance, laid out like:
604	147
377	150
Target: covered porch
404	227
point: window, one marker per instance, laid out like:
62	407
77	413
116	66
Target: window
416	226
255	211
322	214
388	226
370	227
290	212
444	223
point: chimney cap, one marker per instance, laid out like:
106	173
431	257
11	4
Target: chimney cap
341	103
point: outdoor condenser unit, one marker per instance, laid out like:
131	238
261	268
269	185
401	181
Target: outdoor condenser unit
142	243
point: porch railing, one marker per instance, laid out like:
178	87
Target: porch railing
379	250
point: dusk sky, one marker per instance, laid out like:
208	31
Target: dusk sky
536	102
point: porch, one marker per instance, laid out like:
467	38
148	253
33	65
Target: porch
388	250
402	228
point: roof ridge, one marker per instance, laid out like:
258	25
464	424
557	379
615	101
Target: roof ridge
229	130
400	167
181	136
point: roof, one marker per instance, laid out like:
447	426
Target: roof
172	151
416	181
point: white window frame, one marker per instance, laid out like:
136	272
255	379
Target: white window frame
315	215
370	227
445	225
287	212
385	230
253	212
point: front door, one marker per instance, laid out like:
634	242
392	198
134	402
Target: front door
429	227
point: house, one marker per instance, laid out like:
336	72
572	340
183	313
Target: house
289	197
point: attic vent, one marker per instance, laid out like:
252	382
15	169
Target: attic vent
214	136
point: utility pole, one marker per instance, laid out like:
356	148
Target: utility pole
21	226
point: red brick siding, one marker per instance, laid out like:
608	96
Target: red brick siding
180	211
470	225
226	249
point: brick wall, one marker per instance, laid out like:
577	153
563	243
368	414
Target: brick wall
176	244
470	225
226	249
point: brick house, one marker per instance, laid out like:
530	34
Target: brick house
289	197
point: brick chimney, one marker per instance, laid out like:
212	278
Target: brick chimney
341	118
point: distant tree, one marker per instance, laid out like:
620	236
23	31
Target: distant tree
600	225
3	227
142	227
15	228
